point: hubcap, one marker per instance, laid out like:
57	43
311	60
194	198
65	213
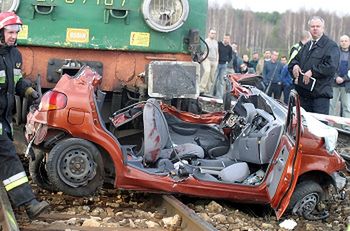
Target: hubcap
307	204
76	167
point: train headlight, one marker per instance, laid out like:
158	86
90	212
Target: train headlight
165	15
8	5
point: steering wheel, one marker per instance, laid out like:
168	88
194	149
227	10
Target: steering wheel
229	120
247	128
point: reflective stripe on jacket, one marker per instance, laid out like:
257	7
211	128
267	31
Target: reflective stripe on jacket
15	181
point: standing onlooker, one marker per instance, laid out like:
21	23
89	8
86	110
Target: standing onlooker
246	70
305	37
231	66
243	69
261	62
236	61
318	58
254	61
210	63
271	76
245	59
286	79
341	85
225	56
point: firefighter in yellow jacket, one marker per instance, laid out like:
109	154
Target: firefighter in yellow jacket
11	82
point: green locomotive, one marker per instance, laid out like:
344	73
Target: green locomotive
118	38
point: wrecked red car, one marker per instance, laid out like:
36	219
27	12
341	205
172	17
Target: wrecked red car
258	151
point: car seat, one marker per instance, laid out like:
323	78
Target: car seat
157	144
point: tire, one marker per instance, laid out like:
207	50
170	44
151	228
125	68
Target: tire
37	170
77	179
307	194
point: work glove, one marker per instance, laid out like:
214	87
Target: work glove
36	97
33	95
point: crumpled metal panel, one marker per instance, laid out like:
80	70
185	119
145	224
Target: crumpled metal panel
173	79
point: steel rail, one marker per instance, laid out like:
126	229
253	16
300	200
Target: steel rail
190	220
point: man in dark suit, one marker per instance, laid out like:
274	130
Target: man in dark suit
319	58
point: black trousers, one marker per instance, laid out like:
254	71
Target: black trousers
316	105
10	165
286	92
276	90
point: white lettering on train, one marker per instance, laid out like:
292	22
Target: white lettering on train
105	2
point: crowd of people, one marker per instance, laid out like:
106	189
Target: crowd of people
316	67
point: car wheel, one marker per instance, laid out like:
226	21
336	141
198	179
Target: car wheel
75	167
305	198
37	170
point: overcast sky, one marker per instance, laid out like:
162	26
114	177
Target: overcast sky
342	7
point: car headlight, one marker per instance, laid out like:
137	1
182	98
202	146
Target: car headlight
316	127
330	140
339	180
9	5
165	15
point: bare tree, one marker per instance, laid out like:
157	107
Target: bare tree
260	31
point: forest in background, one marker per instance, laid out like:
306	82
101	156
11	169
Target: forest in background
259	31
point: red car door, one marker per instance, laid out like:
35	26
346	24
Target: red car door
283	174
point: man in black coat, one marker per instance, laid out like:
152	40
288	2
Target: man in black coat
12	173
319	58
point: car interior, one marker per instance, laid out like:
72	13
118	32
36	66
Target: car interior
238	150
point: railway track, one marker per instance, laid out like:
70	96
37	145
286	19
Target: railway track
170	212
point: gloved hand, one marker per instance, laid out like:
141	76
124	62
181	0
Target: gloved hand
36	97
33	95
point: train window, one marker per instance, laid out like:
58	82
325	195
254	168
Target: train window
8	5
165	15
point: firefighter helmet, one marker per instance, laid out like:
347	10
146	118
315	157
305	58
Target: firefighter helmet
9	18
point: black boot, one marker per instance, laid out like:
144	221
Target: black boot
34	208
